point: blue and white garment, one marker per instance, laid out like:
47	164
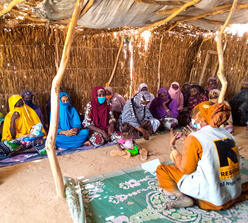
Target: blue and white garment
134	112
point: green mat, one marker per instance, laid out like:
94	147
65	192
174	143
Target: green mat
133	195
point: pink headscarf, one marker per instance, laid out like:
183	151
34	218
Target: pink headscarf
177	95
117	102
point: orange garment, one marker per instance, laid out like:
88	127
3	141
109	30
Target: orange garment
186	163
215	115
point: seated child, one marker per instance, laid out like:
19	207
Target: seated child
127	146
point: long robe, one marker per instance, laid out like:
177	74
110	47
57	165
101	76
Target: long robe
68	119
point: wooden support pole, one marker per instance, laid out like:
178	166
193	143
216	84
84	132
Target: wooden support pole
220	73
159	63
10	6
51	138
159	23
116	61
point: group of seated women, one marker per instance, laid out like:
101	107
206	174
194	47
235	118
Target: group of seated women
107	111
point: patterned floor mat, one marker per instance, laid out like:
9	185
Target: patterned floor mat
133	196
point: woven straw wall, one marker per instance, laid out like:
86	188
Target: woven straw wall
30	55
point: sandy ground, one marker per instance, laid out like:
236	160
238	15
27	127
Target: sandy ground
28	192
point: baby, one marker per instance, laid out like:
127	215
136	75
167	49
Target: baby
127	146
35	132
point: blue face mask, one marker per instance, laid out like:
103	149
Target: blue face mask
196	126
101	100
65	104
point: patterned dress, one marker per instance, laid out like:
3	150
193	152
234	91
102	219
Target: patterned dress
97	138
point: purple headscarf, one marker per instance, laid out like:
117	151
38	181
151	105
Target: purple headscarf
157	109
214	86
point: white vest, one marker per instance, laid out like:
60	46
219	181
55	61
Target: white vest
217	177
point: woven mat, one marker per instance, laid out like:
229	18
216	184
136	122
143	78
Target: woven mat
133	195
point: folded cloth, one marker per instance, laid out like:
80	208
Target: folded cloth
7	147
40	146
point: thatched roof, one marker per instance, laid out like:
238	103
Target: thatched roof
206	14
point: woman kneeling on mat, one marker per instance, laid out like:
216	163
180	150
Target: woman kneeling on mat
208	169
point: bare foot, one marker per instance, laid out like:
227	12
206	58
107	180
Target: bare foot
128	155
123	153
181	202
143	154
151	154
87	143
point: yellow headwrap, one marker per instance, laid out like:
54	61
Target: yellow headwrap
23	123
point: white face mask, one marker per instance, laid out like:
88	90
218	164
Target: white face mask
196	126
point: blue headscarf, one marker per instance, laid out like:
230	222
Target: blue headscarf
68	115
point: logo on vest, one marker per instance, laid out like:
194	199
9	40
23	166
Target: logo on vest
228	158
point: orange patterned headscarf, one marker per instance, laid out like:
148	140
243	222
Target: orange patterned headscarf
214	115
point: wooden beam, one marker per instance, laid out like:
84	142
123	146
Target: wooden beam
219	7
224	10
220	72
87	7
51	138
153	2
159	23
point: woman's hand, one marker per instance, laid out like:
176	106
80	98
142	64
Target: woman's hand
187	130
174	137
174	153
12	124
166	108
66	132
111	127
74	131
70	132
102	132
105	135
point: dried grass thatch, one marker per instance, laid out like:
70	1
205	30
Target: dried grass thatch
235	56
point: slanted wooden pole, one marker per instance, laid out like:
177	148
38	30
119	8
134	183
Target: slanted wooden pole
220	73
51	138
159	23
159	62
116	61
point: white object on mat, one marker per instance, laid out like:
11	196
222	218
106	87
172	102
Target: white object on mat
151	166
